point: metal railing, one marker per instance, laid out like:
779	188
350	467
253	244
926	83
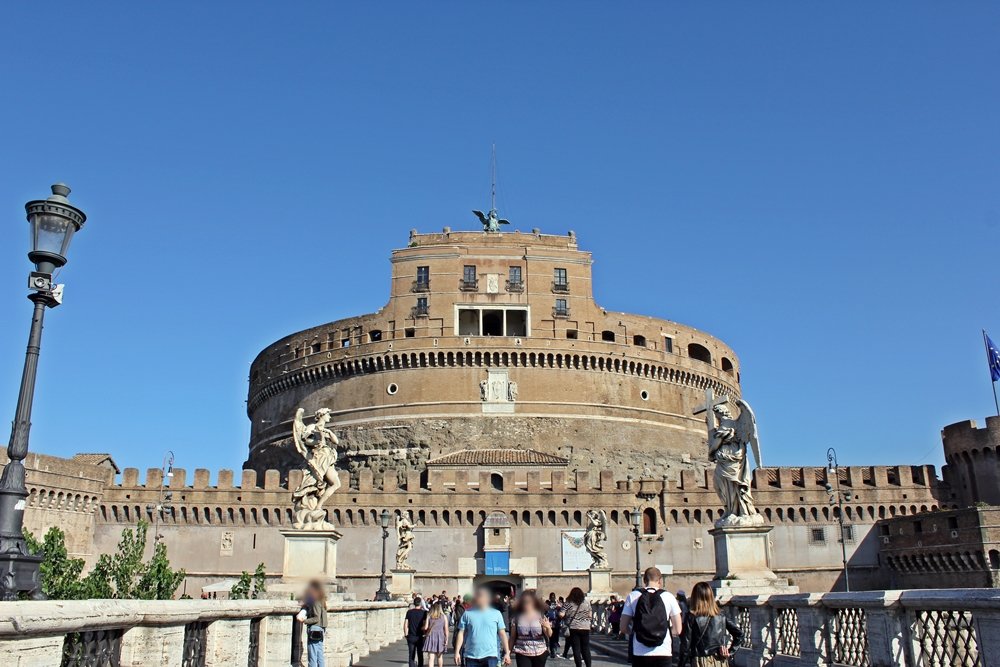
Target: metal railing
560	287
421	286
916	628
515	285
468	285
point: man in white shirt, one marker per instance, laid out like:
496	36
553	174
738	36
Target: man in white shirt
651	656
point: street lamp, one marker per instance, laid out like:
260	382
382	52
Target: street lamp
165	496
636	517
53	222
382	594
837	498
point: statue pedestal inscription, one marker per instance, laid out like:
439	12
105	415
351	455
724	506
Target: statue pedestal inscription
310	554
402	583
600	583
743	562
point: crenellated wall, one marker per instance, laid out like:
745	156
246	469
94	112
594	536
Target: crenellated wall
973	461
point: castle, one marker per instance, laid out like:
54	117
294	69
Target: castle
494	402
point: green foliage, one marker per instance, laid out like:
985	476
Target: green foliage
122	575
249	587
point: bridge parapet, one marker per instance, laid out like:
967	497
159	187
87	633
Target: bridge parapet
207	632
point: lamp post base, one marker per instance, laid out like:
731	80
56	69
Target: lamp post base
20	574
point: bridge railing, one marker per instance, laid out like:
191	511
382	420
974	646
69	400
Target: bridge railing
257	633
915	628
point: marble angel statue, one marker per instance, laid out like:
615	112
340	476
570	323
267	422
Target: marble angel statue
404	533
728	441
316	444
596	537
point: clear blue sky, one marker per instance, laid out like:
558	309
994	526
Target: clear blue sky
817	185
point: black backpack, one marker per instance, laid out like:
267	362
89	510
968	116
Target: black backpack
650	624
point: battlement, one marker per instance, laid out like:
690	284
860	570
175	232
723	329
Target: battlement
513	238
511	479
965	437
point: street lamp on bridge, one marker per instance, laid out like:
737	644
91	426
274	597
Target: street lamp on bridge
636	517
382	594
53	223
837	498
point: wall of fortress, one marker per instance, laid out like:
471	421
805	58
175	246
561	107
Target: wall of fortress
218	530
973	461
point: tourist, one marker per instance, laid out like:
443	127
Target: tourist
704	640
480	632
313	615
413	628
614	613
682	602
552	613
650	616
577	615
529	632
435	631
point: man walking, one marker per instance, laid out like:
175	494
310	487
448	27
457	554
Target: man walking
413	628
481	634
649	617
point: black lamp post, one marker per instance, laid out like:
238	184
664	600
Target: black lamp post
837	498
163	502
53	222
382	594
636	517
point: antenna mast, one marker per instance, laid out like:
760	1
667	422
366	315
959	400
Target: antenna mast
493	179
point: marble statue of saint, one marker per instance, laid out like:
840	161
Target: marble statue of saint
483	389
404	532
315	442
596	537
728	441
512	391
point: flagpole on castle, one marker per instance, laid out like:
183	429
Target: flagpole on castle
993	362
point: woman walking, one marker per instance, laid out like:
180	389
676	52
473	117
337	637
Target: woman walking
313	615
436	635
577	616
708	637
530	631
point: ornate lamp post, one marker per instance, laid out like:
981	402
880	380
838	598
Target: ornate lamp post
837	498
163	501
636	517
382	594
53	222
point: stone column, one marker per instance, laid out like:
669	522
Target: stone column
812	620
32	652
276	640
155	646
888	632
227	642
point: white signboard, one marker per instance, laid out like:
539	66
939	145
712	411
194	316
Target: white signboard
574	555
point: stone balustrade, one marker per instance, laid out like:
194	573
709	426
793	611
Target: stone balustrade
197	632
913	628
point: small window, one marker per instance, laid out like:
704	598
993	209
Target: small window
727	365
496	481
883	529
952	523
469	276
514	283
374	335
918	527
571	334
316	347
560	280
421	309
496	532
817	536
423	278
345	343
848	534
639	341
649	521
562	308
608	336
668	344
409	332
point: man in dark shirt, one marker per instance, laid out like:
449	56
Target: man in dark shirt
413	628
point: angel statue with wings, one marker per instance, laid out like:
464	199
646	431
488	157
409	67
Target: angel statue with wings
491	221
728	441
315	442
596	537
404	532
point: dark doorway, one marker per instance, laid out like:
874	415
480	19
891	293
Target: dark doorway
492	322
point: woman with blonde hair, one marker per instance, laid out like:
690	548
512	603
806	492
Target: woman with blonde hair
708	637
435	635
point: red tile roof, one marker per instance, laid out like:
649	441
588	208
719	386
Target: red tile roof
498	457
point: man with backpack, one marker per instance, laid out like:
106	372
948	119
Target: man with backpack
649	617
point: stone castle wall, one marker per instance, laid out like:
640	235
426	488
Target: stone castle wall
973	461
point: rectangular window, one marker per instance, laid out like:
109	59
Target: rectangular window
952	523
560	280
562	308
848	534
409	332
668	344
817	536
571	334
468	322
423	282
492	322
421	309
514	283
918	527
469	274
517	323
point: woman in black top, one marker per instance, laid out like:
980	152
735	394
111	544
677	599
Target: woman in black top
708	637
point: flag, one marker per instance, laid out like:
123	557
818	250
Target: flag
993	356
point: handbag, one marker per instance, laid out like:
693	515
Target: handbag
316	633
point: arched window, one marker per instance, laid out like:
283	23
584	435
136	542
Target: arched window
727	365
649	521
496	481
699	352
639	341
608	336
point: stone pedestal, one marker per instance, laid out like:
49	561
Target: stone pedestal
743	562
600	583
402	583
310	554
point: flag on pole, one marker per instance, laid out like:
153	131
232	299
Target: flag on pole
993	356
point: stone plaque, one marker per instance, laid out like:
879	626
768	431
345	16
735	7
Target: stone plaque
492	283
574	554
226	547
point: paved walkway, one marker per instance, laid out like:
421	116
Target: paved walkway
394	655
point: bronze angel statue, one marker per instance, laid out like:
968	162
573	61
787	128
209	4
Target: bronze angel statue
596	537
728	441
315	442
491	221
